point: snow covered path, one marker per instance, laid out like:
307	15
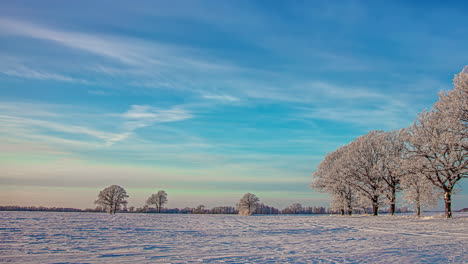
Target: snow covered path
48	237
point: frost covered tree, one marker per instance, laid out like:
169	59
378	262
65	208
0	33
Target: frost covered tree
363	158
434	147
295	208
438	153
158	199
419	192
331	177
390	166
453	105
112	198
247	204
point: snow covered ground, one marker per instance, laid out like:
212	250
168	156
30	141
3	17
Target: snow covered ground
49	237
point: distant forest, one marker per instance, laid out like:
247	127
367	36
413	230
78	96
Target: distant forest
261	210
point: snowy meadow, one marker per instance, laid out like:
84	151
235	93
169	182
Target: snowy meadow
50	237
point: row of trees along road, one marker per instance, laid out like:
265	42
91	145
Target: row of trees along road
424	161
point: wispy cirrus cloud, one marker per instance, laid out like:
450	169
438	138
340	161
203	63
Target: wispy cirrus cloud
140	116
98	45
22	71
108	137
127	50
162	66
330	90
387	116
37	119
221	97
152	114
98	92
30	109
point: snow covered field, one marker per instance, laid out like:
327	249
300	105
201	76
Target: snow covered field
49	237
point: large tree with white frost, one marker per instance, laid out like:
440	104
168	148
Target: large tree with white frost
453	105
438	140
363	160
112	198
438	153
390	167
330	177
247	204
419	192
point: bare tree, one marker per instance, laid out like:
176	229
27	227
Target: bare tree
373	165
199	210
438	153
363	159
158	199
418	191
247	204
453	104
295	208
331	176
390	165
112	198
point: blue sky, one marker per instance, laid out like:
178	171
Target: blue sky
208	99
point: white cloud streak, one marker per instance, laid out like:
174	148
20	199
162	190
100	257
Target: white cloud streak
130	51
112	48
107	137
139	116
26	72
221	97
34	120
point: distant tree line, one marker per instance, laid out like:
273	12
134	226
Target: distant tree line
113	200
425	161
45	209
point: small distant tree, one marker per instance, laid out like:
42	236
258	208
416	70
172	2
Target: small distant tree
199	210
158	199
248	203
295	208
112	198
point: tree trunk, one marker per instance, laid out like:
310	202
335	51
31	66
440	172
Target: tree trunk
375	205
448	204
350	206
375	209
418	207
392	202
